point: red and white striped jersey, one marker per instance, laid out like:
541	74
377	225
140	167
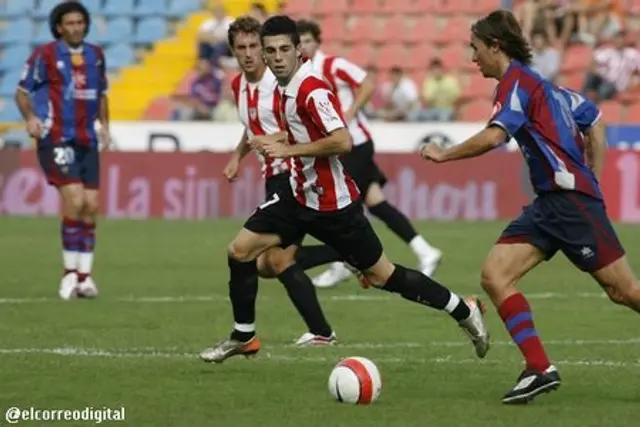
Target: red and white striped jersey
345	78
310	111
258	104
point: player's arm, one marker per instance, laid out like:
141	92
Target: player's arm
243	148
336	143
33	77
359	81
596	147
480	143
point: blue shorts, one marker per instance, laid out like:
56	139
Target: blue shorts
572	222
68	163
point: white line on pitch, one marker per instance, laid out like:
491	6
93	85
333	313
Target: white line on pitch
124	353
209	298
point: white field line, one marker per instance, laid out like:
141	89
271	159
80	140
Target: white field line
136	354
210	298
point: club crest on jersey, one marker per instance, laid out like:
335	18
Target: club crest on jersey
77	59
253	113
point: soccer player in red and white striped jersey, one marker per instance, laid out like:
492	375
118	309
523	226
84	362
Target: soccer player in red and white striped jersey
258	102
354	88
322	201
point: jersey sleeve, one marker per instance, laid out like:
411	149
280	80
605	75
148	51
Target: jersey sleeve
509	107
34	73
586	115
349	73
323	108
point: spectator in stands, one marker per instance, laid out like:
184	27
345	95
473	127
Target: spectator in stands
546	58
259	12
226	110
204	94
601	18
612	69
401	97
212	35
440	92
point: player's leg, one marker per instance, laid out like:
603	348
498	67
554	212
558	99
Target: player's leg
591	243
58	164
302	293
309	256
351	233
429	257
89	163
274	223
521	247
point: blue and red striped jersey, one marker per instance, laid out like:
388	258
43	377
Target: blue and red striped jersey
66	86
548	123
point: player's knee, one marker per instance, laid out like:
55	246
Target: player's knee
73	203
264	268
278	260
624	295
239	252
493	281
90	206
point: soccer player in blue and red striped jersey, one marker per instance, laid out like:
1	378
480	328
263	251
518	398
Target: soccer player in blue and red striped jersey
61	95
562	140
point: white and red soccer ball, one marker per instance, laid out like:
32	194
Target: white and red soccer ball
355	380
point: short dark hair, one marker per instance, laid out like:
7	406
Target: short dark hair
280	25
57	14
500	28
306	26
244	24
436	62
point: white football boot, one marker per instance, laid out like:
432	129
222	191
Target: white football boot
337	273
429	262
310	340
69	286
87	288
475	328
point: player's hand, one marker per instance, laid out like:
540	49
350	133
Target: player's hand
432	152
232	169
105	138
270	145
34	127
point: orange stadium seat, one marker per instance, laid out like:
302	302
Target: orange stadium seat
456	29
392	55
457	56
424	30
399	6
420	56
361	30
363	54
475	111
632	114
330	7
364	6
576	58
612	111
333	28
450	7
395	29
299	8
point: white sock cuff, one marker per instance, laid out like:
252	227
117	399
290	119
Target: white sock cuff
454	300
244	327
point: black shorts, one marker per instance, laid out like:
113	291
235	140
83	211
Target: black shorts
279	184
360	164
571	222
67	163
347	231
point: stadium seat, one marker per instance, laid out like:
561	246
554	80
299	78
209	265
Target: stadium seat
119	55
576	58
115	8
19	30
395	29
117	30
15	8
632	114
455	57
573	80
475	111
10	82
362	29
450	7
392	55
424	30
612	111
363	54
420	56
93	6
478	87
150	30
146	8
330	7
43	9
456	29
14	57
181	8
333	28
365	7
299	8
42	35
398	6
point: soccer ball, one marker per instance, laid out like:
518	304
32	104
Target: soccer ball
355	380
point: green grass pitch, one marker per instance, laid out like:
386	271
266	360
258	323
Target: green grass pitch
163	299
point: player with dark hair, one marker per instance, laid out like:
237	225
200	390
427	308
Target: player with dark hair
61	94
322	200
353	88
563	142
257	100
